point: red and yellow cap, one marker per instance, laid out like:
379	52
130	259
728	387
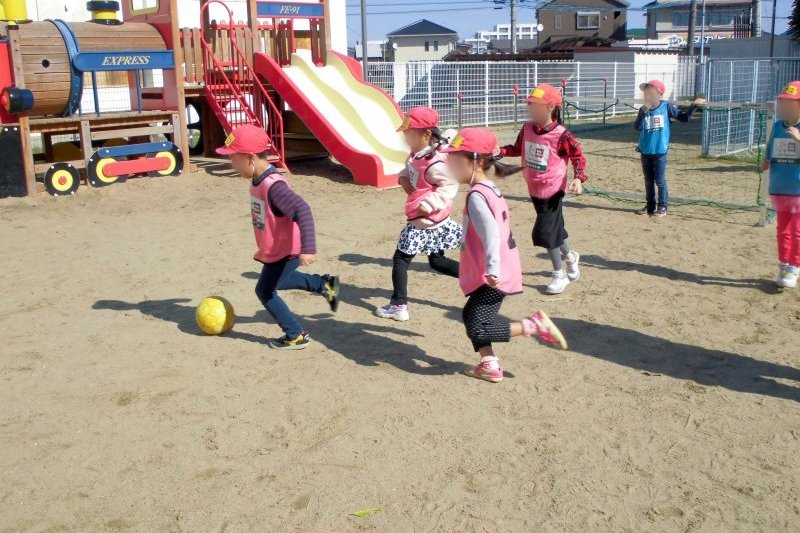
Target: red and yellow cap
474	141
247	139
791	91
658	85
420	118
544	93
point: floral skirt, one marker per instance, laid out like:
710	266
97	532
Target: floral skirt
446	236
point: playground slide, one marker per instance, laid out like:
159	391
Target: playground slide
355	121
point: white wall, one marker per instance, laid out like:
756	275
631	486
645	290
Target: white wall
69	10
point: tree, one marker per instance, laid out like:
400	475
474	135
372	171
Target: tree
794	22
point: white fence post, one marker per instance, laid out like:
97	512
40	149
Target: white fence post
429	69
577	90
536	74
486	91
614	91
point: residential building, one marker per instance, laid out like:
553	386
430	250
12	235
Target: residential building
376	51
420	41
669	19
501	32
563	19
503	46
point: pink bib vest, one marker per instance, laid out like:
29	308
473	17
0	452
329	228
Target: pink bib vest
417	168
472	268
276	237
544	170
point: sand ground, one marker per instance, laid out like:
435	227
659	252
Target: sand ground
677	407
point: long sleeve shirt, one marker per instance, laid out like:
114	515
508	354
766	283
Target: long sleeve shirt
284	202
568	147
673	112
482	219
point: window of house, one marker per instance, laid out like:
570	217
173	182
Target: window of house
427	46
617	14
721	18
436	46
558	22
588	20
143	7
680	20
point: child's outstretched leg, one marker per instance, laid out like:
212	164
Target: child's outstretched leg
483	328
398	305
443	265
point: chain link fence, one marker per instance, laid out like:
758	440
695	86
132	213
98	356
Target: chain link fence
485	93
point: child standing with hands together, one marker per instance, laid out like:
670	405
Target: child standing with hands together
490	267
546	147
783	161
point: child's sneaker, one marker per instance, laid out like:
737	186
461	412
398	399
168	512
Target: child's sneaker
539	324
287	343
660	212
558	284
485	372
787	277
643	211
573	266
393	312
331	291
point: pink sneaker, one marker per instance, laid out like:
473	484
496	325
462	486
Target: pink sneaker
539	324
485	372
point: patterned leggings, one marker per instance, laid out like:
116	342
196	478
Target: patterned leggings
480	318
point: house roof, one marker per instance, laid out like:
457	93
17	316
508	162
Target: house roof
569	44
422	27
575	5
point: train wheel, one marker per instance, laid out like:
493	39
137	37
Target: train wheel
97	178
62	179
175	163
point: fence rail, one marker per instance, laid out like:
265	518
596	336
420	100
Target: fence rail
491	92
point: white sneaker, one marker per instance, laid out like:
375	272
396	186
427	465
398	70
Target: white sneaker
559	283
393	312
787	277
573	266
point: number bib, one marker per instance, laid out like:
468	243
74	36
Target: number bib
257	210
785	151
654	122
536	155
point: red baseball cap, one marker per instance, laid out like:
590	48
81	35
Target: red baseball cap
791	91
544	93
657	84
474	141
247	139
420	118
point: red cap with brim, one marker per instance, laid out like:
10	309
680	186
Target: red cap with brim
420	118
656	84
791	91
545	93
247	139
474	141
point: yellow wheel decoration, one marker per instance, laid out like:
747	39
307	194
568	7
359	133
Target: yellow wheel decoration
62	180
99	170
172	163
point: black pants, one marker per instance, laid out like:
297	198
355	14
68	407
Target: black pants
548	230
401	262
480	318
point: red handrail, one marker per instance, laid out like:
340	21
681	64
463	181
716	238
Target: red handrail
219	88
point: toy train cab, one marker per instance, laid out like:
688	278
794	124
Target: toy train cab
50	73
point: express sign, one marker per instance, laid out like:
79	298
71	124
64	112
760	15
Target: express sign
133	60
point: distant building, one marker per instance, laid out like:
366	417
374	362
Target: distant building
503	46
567	19
376	51
501	32
422	40
669	19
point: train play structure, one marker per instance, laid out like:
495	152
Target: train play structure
275	70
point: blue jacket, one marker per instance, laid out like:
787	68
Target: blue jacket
783	153
654	127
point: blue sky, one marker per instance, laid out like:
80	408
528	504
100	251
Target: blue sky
469	16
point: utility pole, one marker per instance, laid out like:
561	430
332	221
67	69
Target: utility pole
772	31
364	48
513	26
756	24
692	25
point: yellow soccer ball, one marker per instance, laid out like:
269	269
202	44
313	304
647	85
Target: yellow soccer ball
215	315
